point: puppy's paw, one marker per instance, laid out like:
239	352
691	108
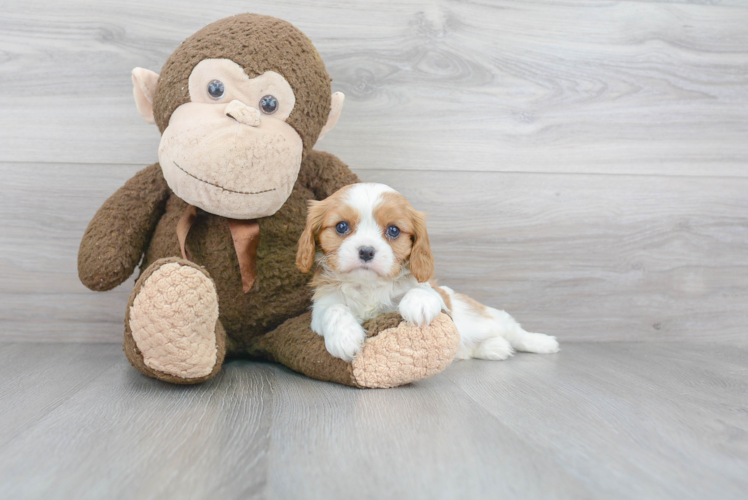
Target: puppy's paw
495	348
420	307
344	337
539	343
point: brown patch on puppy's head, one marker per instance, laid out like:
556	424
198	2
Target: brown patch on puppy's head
413	243
321	220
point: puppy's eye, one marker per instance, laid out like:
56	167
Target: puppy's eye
393	232
268	104
342	228
216	89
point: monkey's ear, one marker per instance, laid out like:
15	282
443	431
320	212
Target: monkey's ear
336	106
144	88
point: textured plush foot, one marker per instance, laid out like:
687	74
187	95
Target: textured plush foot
404	353
173	323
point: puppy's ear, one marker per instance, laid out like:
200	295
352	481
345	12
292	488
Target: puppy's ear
307	242
421	258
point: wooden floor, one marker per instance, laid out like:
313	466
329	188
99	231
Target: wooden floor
598	420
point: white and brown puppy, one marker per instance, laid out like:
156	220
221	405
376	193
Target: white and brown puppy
376	258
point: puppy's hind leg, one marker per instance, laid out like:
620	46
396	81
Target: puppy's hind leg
519	338
488	333
494	349
479	332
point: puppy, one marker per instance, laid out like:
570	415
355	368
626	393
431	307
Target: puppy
376	258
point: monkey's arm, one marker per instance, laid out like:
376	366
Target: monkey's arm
396	352
324	174
121	229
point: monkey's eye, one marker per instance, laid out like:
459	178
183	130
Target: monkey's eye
393	232
216	89
268	104
342	228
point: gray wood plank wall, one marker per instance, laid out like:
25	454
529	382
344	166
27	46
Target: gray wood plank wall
585	163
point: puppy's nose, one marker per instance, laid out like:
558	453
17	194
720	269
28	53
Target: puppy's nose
366	253
242	113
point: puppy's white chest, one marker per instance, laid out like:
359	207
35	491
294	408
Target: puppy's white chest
367	302
368	312
368	305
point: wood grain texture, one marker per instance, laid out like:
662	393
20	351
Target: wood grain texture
37	379
510	85
584	257
126	436
660	413
616	420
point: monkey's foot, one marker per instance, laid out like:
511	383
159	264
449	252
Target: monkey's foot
397	352
172	331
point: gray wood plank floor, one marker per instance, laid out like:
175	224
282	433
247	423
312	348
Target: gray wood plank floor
614	420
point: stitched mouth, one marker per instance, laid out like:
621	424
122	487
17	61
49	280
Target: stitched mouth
220	187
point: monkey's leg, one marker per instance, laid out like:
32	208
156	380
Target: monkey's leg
172	331
396	353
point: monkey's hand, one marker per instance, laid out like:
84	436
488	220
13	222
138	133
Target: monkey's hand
119	232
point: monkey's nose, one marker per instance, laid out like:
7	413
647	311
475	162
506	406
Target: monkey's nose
242	113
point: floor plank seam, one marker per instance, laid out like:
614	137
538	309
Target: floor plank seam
427	170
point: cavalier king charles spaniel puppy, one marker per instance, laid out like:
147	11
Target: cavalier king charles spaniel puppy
374	258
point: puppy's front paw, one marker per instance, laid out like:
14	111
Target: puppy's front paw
344	337
420	307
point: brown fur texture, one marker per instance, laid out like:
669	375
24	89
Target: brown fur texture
381	323
444	295
413	245
114	241
474	305
258	44
421	257
296	346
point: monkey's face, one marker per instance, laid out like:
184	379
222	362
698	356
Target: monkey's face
239	104
230	151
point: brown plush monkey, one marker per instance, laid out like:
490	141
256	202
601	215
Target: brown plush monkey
215	223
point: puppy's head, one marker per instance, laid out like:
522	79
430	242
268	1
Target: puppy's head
367	229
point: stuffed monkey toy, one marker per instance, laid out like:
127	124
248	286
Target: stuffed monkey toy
215	223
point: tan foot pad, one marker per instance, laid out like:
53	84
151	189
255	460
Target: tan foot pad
173	321
406	354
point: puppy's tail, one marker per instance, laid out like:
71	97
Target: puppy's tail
489	333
